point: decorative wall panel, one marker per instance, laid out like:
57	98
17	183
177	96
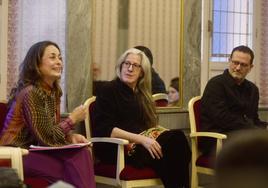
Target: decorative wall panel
104	36
156	24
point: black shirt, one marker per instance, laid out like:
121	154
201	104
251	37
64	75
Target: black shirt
116	106
158	85
227	106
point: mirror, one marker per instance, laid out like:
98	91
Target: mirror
120	24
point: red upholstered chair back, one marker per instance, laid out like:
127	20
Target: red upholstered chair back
194	113
160	99
3	113
161	103
194	106
91	107
197	113
88	121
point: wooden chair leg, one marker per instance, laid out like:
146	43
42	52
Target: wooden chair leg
194	177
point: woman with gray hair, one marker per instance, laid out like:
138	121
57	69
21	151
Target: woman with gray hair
124	109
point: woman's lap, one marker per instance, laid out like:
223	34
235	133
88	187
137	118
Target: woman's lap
74	166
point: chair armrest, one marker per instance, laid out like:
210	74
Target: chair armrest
120	164
119	141
215	135
14	154
24	151
7	151
208	134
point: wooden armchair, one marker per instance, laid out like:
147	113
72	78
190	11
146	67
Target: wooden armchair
160	99
12	157
120	175
201	163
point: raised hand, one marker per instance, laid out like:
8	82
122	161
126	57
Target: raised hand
78	114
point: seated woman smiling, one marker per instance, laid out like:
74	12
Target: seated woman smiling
34	119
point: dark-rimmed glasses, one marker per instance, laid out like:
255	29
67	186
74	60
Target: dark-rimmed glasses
243	65
135	66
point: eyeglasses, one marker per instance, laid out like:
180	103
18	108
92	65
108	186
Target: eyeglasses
243	65
135	66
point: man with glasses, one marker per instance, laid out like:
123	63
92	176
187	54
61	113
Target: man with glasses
230	101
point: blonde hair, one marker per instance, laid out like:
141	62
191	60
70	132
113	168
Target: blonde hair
143	87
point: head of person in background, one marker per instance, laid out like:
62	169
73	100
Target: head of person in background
173	92
158	85
240	63
243	160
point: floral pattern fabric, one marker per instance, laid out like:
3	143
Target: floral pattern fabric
153	133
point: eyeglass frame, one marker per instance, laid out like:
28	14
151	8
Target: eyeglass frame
127	65
243	65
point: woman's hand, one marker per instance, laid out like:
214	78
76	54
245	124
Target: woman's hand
78	114
152	146
76	138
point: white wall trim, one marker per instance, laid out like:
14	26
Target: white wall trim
205	40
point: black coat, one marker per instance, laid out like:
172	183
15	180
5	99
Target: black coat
227	106
116	106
